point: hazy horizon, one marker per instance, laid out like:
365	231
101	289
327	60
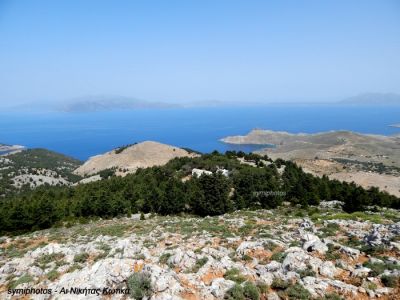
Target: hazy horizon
184	52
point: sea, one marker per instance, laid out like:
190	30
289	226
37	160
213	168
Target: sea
82	135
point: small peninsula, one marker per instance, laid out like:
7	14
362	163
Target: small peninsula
368	160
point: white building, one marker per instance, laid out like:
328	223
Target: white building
224	172
199	172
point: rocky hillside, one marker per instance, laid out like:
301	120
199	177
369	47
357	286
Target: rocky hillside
368	160
129	158
334	144
35	167
284	253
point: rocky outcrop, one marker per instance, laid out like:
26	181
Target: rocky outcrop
203	258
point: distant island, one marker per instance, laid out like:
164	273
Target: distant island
373	99
397	125
107	103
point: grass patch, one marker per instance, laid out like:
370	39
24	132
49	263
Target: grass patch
331	296
332	253
199	263
81	257
278	256
74	267
53	275
117	230
355	216
330	230
307	272
373	250
234	275
23	279
164	258
44	260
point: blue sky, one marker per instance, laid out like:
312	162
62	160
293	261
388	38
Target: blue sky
198	50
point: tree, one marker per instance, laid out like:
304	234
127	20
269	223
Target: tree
210	195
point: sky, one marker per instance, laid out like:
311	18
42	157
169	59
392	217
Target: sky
183	51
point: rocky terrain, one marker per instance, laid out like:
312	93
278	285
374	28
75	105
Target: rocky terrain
129	158
368	160
285	253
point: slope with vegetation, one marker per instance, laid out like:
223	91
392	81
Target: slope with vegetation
35	167
170	189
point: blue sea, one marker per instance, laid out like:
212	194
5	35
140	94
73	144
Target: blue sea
82	135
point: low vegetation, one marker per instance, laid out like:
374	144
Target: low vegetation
139	285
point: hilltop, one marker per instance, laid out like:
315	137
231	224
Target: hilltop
128	159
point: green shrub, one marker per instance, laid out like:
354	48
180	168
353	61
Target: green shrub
379	267
250	291
199	263
81	257
46	259
330	230
279	284
332	296
371	286
373	250
246	257
234	275
376	268
262	287
297	292
235	293
278	256
53	275
139	285
306	272
164	258
74	267
389	280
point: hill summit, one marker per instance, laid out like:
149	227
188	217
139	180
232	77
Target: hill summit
128	159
